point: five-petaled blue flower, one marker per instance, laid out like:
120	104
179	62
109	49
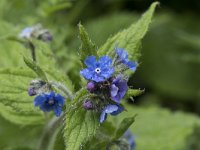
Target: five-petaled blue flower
123	57
50	102
110	109
118	89
97	71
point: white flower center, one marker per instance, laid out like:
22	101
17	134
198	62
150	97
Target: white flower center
97	70
51	102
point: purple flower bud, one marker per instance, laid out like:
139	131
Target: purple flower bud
91	86
87	105
31	91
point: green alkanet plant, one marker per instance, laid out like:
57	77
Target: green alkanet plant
45	91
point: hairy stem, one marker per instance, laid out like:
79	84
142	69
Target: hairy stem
49	131
32	48
61	87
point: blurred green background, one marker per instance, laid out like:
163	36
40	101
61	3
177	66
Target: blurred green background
169	71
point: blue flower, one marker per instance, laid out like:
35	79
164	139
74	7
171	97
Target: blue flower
130	138
110	109
26	33
118	89
97	71
123	57
50	102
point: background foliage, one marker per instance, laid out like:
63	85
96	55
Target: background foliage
169	67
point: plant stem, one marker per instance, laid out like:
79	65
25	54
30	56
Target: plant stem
61	87
49	131
32	48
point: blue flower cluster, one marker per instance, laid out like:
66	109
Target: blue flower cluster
46	99
107	83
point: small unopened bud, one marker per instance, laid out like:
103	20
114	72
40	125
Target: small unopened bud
87	105
37	87
31	91
91	86
46	36
37	83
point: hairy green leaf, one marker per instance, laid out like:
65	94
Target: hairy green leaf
123	127
87	47
15	103
48	64
130	39
80	125
133	93
32	65
155	125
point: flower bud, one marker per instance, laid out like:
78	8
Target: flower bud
91	86
31	91
46	36
87	104
37	87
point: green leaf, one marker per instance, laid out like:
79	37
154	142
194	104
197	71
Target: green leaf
32	65
47	68
130	39
157	128
123	127
15	103
48	10
80	125
133	93
87	47
14	137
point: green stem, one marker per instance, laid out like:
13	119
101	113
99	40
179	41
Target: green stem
32	48
61	87
49	131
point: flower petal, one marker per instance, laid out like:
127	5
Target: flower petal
122	88
110	108
60	99
57	111
39	100
86	73
90	61
46	107
114	90
132	65
122	54
107	72
103	117
105	61
118	111
26	33
98	78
